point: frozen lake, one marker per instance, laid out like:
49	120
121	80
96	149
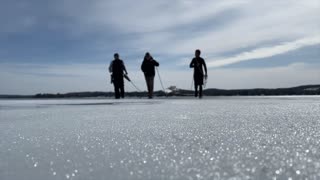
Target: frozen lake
215	138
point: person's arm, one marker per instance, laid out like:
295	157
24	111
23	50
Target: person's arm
156	63
192	64
143	67
110	67
205	68
124	68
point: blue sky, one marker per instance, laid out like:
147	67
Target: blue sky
62	46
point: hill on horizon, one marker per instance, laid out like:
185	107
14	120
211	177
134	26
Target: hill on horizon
173	91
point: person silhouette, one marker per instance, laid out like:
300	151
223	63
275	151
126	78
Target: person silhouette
148	68
198	64
117	68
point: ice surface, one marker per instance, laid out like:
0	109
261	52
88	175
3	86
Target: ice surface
216	138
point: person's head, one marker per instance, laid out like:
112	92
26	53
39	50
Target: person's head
148	56
197	53
116	56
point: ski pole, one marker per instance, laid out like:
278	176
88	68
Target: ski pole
161	82
127	78
191	84
135	86
205	81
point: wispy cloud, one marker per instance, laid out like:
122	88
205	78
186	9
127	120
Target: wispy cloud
265	52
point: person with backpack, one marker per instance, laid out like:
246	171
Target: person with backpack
118	70
198	64
148	68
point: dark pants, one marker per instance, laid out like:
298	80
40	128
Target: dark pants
198	82
150	81
196	90
118	87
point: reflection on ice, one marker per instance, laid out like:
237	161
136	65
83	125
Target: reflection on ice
220	138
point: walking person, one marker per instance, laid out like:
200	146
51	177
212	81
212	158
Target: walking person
148	68
117	68
198	64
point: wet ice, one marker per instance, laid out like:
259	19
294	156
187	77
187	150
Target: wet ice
217	138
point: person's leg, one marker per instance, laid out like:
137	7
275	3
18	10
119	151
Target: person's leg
196	84
116	90
195	90
118	82
200	91
122	89
148	84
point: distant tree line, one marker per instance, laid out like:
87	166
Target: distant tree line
301	90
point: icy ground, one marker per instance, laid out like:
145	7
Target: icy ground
216	138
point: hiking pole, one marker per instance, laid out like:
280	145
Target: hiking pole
205	81
161	82
191	84
135	86
127	78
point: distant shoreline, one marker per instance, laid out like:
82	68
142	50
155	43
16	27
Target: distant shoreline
293	91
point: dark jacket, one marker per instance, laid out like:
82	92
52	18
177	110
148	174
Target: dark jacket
148	67
117	68
198	64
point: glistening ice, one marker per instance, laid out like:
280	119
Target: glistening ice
215	138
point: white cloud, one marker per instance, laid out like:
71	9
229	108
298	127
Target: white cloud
265	52
143	16
258	23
